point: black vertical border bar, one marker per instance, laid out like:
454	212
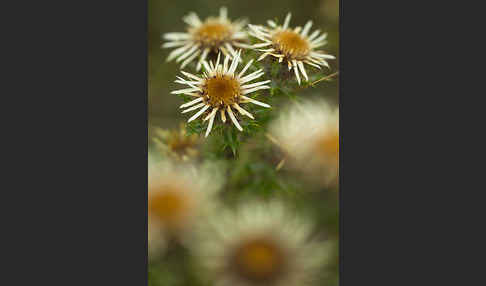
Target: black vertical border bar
145	209
341	201
84	150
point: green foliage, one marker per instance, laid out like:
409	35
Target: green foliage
175	268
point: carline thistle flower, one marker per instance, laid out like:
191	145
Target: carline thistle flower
309	133
178	196
220	88
259	245
214	35
176	143
294	46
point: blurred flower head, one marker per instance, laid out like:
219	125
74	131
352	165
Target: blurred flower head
221	89
176	143
295	46
309	134
178	195
259	244
213	35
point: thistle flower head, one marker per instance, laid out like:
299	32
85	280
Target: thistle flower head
294	46
213	35
177	197
259	244
309	133
221	89
176	143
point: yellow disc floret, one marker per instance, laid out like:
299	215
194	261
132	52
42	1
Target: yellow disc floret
221	90
327	146
169	206
212	33
259	260
291	44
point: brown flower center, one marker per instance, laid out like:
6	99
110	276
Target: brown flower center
327	146
291	44
259	260
180	144
213	33
169	206
221	90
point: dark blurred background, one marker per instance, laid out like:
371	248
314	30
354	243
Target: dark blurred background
166	16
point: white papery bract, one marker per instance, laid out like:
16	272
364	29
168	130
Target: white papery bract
221	89
214	35
295	46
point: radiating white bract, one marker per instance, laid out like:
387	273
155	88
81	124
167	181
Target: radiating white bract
213	35
309	133
221	88
178	196
295	46
259	244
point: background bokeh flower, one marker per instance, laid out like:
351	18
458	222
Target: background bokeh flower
176	143
260	244
308	132
178	196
